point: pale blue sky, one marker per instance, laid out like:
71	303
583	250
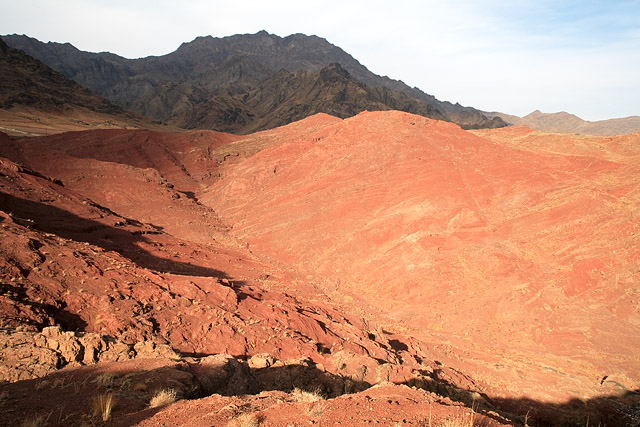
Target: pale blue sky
511	56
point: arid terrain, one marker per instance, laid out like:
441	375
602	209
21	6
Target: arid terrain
523	247
491	270
165	279
366	267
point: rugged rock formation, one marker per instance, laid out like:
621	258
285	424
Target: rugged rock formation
28	82
226	84
29	354
301	94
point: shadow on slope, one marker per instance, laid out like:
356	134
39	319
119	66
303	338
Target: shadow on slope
69	394
230	386
124	237
68	320
233	387
621	409
617	409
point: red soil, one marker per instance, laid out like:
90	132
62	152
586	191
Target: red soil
497	266
526	259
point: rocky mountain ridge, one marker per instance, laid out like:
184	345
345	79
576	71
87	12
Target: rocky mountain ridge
35	99
220	72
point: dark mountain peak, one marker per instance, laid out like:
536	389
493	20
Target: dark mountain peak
12	38
197	41
22	41
237	59
333	72
264	33
312	40
294	52
231	66
235	68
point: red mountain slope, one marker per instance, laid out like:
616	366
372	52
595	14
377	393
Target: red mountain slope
525	258
120	285
491	268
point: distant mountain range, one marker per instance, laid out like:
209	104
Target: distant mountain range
244	83
28	82
569	123
34	99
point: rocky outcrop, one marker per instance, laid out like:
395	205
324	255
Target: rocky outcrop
28	354
331	90
36	100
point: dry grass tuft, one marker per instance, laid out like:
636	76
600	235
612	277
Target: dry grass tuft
307	396
461	419
4	396
42	384
163	397
60	383
103	405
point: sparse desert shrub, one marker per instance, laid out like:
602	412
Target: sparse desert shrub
162	398
307	396
42	384
103	405
456	422
461	419
60	383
